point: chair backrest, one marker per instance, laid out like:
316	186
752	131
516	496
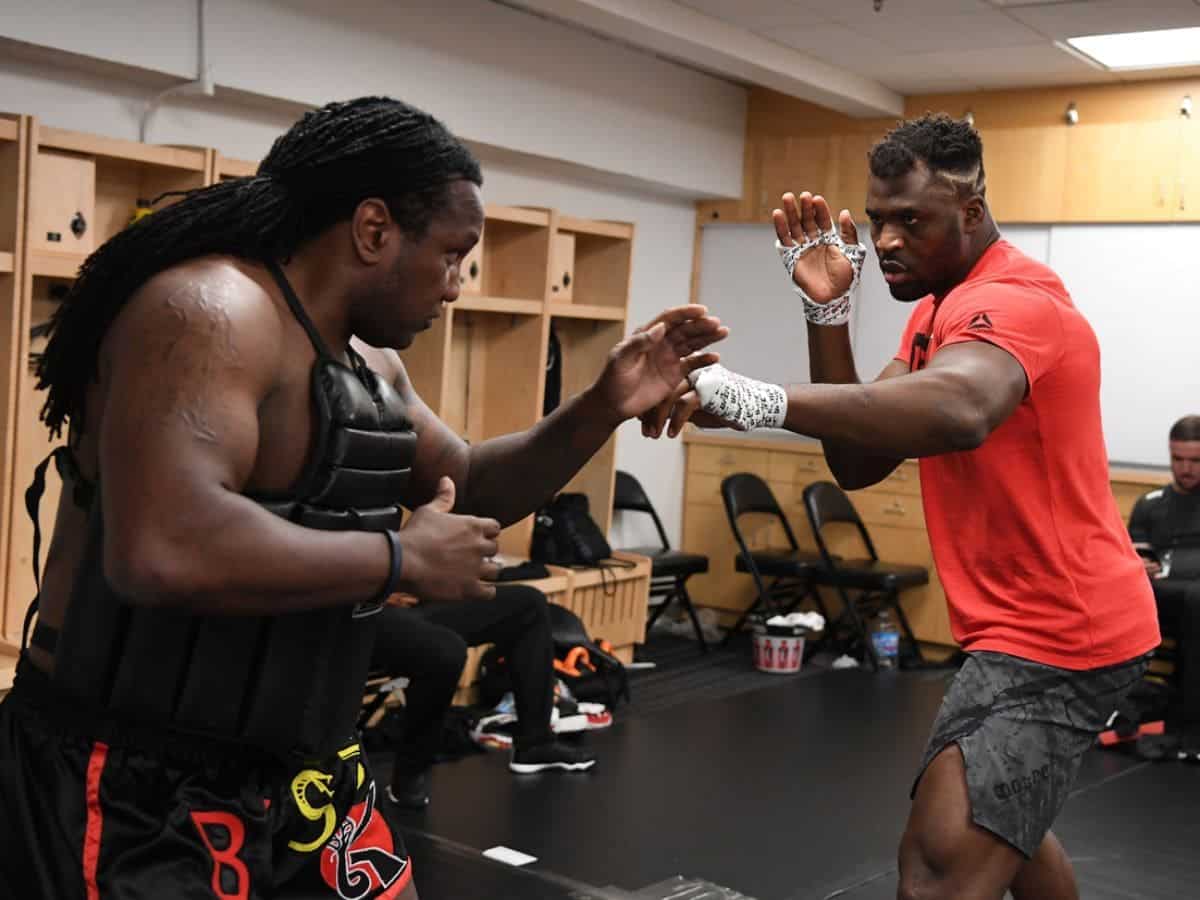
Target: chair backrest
746	493
825	502
628	495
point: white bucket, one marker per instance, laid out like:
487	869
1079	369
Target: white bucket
778	654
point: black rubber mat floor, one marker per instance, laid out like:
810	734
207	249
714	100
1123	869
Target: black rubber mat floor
793	791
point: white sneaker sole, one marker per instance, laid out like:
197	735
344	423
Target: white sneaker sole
531	768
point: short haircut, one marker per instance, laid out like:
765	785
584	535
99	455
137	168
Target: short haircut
1186	429
949	148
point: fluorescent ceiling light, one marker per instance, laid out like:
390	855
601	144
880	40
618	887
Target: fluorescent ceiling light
1141	49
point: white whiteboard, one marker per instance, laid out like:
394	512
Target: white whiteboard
1135	284
1138	286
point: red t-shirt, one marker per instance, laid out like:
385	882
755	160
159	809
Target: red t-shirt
1026	536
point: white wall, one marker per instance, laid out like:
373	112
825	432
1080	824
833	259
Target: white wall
495	75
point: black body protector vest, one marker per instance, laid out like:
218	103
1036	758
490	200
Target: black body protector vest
289	684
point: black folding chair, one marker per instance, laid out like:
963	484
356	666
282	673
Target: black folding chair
669	569
793	570
875	582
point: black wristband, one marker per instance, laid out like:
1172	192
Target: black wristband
396	556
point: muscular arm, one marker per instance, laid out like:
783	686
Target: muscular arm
188	363
507	477
831	361
953	404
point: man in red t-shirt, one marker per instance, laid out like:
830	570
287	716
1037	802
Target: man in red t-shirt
995	388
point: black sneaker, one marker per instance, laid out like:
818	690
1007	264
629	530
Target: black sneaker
551	755
410	791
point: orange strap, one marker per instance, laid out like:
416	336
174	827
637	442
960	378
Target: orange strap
569	666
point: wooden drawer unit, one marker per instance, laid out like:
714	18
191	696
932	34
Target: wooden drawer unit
879	507
725	461
905	480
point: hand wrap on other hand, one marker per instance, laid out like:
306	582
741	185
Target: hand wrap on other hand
743	402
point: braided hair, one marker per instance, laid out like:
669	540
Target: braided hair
314	176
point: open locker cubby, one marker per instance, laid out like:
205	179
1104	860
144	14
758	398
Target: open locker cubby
585	345
591	267
84	189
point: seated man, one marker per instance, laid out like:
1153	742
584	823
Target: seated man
428	645
1166	522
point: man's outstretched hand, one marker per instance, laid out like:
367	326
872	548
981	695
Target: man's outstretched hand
645	369
823	273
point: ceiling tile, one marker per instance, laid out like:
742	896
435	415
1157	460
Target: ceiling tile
834	44
863	10
920	73
755	15
1019	66
1107	16
964	31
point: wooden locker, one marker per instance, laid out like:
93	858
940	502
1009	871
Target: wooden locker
62	218
562	267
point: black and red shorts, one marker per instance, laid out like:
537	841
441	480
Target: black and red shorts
155	817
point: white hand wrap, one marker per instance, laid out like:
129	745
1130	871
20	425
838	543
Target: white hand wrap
743	402
835	312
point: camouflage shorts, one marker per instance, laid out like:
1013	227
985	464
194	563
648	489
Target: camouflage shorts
1023	728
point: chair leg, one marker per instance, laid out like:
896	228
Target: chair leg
659	610
685	598
737	626
860	626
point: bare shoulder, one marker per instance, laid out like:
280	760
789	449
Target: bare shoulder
215	307
385	362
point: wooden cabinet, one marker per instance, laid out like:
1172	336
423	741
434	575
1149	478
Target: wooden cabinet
1024	169
892	511
482	368
1131	158
1187	207
562	267
66	222
1122	172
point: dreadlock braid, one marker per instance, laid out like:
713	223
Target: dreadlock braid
314	176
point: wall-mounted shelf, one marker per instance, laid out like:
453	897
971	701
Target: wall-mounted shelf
227	167
186	158
55	265
587	311
479	303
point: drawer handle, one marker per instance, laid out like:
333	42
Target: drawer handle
894	510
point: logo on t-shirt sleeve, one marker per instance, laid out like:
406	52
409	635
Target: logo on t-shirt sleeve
979	322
